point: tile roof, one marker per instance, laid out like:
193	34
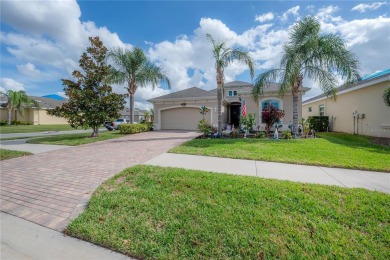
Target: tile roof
43	102
363	80
237	83
186	93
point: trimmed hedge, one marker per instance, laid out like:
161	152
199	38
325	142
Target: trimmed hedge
5	122
318	123
133	128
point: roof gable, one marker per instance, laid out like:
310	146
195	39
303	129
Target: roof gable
193	92
237	83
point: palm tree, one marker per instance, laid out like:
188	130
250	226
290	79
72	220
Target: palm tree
135	69
309	54
17	101
223	57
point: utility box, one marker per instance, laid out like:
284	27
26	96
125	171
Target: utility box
362	116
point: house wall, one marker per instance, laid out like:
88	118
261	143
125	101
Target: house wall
210	104
286	103
367	100
35	116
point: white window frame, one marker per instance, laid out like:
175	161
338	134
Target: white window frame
319	110
261	108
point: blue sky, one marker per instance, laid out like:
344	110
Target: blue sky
41	41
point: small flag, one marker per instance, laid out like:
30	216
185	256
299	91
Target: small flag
243	107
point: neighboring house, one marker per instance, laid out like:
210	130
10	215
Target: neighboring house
359	108
139	115
180	110
37	116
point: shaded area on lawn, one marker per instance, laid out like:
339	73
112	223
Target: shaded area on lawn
75	139
9	154
168	213
332	150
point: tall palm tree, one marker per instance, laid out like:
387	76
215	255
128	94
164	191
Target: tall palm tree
17	101
308	54
135	69
223	57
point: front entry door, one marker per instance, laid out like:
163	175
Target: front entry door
235	115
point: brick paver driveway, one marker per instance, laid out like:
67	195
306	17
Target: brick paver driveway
52	188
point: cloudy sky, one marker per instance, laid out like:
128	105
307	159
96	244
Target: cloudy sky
41	41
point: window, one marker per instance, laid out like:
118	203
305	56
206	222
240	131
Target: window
272	102
310	109
232	93
322	110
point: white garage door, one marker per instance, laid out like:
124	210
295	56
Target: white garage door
181	118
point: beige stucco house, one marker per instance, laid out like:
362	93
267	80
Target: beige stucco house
358	109
180	110
37	116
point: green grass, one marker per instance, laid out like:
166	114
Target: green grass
332	150
168	213
33	128
75	139
8	154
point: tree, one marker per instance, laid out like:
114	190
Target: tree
91	100
17	101
270	115
203	110
386	97
135	69
223	56
309	54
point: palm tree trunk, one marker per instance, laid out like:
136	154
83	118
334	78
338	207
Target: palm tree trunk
131	108
295	113
9	116
219	98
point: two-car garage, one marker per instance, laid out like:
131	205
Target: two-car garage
181	118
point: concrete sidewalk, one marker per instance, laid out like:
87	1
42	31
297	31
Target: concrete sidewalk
299	173
21	145
21	239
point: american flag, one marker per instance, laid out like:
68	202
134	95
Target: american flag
243	107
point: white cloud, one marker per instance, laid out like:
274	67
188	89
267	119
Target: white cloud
264	17
62	94
293	11
364	7
28	69
11	84
50	33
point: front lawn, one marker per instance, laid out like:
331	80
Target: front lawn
331	150
8	154
33	128
75	139
168	213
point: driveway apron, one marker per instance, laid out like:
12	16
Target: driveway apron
52	188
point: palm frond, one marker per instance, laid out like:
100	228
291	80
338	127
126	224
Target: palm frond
264	80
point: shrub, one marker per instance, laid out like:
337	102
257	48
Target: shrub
248	121
287	134
133	128
205	127
318	123
270	115
3	122
260	135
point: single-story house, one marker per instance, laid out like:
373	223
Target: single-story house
358	109
180	110
139	114
36	116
